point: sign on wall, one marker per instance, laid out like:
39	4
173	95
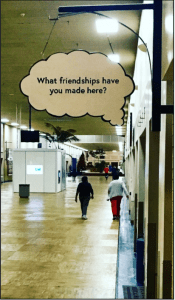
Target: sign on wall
34	169
79	83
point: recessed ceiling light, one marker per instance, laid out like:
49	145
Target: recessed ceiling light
22	15
14	124
114	150
4	120
107	25
114	57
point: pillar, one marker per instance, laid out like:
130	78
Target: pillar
151	211
141	179
165	233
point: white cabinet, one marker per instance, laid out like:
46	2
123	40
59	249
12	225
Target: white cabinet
43	169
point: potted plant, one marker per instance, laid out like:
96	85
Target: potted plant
59	135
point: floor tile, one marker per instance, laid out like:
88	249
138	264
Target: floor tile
49	252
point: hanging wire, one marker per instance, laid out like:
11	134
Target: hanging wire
68	14
142	42
56	19
48	39
134	33
110	45
100	14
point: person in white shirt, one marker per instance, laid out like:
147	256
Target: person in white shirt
115	192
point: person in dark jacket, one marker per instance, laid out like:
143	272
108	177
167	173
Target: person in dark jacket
115	172
85	192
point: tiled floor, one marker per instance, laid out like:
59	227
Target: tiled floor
48	251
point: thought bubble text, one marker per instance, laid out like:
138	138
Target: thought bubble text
66	81
79	83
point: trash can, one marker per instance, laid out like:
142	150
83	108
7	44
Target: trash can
24	190
140	261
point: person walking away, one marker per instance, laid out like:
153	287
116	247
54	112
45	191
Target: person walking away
115	171
85	192
106	170
115	192
110	168
74	174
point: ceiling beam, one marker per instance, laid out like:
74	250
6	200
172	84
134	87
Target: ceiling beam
94	8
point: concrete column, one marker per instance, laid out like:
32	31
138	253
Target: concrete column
151	211
136	171
132	185
141	179
4	153
128	178
165	232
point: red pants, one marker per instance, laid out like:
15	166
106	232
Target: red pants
115	205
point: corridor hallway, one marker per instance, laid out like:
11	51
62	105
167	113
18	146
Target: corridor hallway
48	251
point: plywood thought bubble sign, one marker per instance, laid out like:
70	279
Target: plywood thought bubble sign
79	83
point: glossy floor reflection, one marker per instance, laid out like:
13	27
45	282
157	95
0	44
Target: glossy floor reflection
126	266
48	251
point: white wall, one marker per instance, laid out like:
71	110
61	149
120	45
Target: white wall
11	140
141	99
157	197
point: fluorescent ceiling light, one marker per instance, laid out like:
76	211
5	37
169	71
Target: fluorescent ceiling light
14	124
4	120
114	57
107	25
120	146
170	56
118	129
23	127
169	24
